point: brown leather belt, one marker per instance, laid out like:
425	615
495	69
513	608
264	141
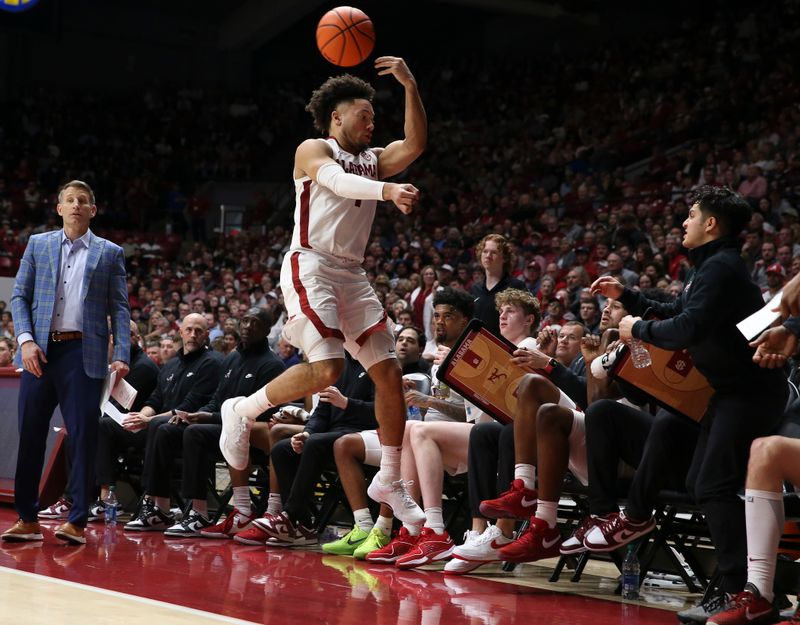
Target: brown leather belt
60	337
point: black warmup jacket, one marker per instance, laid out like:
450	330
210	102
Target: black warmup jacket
186	382
719	293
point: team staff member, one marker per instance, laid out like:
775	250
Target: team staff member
69	283
186	382
748	400
496	257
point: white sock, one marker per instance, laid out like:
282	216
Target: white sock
162	503
413	530
526	473
763	511
274	504
200	506
384	524
547	511
363	519
390	464
254	405
433	519
241	499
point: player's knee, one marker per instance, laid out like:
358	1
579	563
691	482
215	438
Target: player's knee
416	432
764	452
551	417
532	385
327	372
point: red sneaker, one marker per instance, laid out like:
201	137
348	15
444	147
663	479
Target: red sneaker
617	531
746	608
430	547
255	534
287	532
400	545
517	502
538	542
233	524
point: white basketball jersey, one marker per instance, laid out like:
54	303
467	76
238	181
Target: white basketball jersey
329	224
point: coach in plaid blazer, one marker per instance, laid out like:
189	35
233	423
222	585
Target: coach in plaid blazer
69	284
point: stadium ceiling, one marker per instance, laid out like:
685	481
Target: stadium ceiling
250	24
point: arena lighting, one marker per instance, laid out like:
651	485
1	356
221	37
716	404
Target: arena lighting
17	6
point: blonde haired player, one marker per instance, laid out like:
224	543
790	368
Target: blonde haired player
331	305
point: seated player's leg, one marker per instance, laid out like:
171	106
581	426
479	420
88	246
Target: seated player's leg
772	460
438	446
542	539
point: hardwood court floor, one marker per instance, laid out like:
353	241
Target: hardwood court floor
123	577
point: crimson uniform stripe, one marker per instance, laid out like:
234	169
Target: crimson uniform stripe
362	338
304	214
305	306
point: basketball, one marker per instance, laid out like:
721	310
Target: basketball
345	36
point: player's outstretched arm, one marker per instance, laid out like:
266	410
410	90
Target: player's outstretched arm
315	160
400	154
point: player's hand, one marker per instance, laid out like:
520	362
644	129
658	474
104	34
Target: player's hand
397	67
288	414
530	359
415	398
590	348
299	441
333	396
607	287
548	341
626	327
135	421
790	301
32	354
192	417
773	347
441	354
403	195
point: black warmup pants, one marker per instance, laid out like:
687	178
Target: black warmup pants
719	468
299	473
113	441
659	447
490	462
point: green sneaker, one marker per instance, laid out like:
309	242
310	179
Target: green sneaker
347	544
375	540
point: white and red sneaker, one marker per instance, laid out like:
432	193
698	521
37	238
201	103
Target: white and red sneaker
616	532
59	510
574	544
538	542
517	502
233	524
477	550
400	545
283	532
430	547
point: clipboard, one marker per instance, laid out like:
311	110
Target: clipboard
672	381
479	369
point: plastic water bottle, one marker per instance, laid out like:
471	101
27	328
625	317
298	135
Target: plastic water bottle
630	574
110	507
414	414
639	354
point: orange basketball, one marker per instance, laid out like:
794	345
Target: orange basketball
345	36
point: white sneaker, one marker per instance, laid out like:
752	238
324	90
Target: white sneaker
59	510
477	549
397	498
234	442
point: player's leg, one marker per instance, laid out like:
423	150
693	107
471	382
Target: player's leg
534	390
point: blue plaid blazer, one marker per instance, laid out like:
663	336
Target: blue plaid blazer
104	294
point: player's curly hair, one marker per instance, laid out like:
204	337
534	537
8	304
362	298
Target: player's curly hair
333	91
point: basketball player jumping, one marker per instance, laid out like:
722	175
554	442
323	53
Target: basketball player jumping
330	304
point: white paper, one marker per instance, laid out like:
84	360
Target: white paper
760	320
111	410
108	386
124	393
